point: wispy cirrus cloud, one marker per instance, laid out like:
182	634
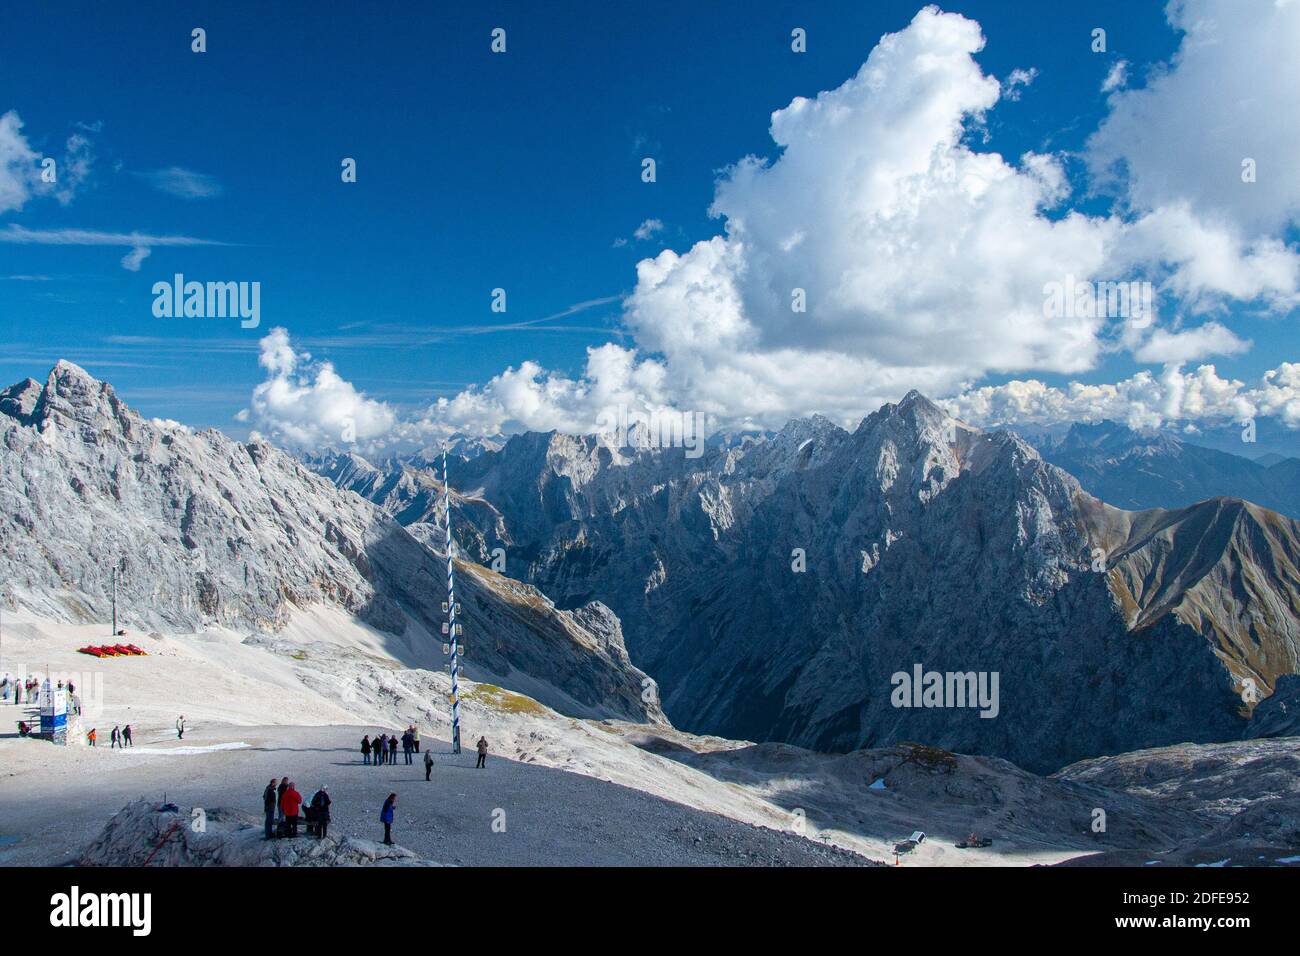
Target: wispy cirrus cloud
185	183
367	335
138	244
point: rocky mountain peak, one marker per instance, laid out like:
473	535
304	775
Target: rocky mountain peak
18	401
915	400
74	398
1114	439
915	419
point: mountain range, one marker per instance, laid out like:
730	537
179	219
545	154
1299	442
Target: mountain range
775	587
209	532
1133	470
779	588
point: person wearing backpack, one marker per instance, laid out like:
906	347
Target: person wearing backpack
428	765
320	806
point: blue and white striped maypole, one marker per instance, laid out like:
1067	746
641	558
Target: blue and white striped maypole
453	636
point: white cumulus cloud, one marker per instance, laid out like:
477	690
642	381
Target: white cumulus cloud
306	404
1229	95
1188	345
1146	400
878	249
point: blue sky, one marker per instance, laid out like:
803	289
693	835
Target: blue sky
475	171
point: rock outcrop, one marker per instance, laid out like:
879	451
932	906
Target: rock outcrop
150	834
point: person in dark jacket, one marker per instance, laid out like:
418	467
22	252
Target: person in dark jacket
279	797
381	748
365	748
482	747
269	798
386	817
408	747
126	736
428	765
320	811
392	749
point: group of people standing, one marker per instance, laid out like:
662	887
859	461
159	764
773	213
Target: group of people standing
384	747
281	804
19	689
28	690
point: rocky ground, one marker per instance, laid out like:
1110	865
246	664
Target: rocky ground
1247	794
52	812
586	791
145	833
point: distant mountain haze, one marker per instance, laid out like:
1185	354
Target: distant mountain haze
1132	470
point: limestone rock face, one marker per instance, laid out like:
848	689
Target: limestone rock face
208	531
774	586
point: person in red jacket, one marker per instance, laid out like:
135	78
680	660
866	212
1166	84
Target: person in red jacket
289	803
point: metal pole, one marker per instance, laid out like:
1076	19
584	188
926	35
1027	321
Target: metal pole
451	611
